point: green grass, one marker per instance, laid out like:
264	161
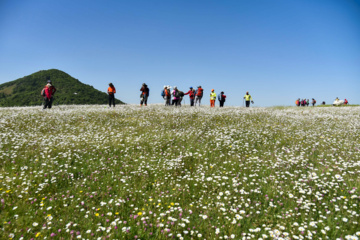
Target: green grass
157	172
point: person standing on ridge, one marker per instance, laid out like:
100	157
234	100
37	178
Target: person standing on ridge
212	98
176	96
48	94
145	92
221	99
248	98
198	95
111	91
313	102
191	94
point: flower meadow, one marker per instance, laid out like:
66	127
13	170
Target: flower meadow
92	172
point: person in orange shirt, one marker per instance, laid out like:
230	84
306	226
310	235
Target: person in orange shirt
111	91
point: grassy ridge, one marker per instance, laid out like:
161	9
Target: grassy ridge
156	172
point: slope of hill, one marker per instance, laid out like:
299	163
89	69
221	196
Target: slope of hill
26	91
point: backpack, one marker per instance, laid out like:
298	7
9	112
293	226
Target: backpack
177	94
43	92
163	93
181	94
199	92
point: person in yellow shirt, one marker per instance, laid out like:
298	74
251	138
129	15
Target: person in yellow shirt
248	98
111	91
212	98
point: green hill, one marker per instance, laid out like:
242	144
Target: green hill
26	91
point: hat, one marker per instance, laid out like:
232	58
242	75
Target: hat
199	86
49	81
175	87
191	87
110	84
212	90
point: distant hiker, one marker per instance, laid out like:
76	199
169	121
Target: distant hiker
313	102
48	94
323	103
176	96
345	101
303	102
307	102
212	98
248	98
191	94
181	96
164	94
145	92
111	91
198	95
221	99
297	102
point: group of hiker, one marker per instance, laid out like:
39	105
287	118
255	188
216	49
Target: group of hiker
304	102
171	96
175	96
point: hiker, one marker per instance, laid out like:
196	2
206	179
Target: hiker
345	101
212	98
248	98
198	95
163	94
181	96
191	94
221	99
323	103
145	92
48	94
313	102
111	91
297	102
307	102
176	96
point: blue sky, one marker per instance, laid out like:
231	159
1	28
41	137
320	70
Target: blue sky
278	50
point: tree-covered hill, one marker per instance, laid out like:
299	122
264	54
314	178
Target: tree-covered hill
26	91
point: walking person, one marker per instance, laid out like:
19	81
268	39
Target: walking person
221	99
212	98
198	95
48	94
145	92
111	92
248	98
191	94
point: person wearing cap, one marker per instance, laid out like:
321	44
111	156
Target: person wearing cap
212	98
198	95
48	94
111	92
221	99
145	92
248	98
191	94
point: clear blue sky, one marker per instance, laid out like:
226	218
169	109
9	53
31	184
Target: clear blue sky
278	50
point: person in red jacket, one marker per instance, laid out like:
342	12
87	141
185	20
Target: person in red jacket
198	95
48	94
144	94
111	91
191	94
